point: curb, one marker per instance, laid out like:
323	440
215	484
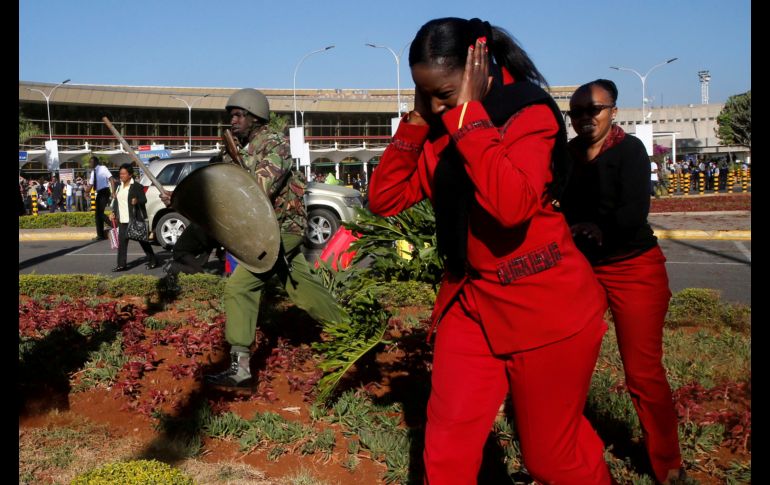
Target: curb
56	236
693	234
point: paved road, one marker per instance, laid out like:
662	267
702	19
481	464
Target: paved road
722	265
64	257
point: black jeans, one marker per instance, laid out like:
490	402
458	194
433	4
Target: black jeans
102	199
123	246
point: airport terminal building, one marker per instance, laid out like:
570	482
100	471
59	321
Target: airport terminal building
347	129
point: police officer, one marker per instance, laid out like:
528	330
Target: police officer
266	155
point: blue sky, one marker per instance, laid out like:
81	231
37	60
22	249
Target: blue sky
257	43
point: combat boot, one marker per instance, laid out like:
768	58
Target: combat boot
237	375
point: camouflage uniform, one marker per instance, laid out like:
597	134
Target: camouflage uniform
267	158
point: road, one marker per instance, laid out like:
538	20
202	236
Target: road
65	257
722	265
718	264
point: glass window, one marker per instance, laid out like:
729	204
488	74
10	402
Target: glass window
170	174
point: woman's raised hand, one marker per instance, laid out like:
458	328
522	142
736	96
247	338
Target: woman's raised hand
476	79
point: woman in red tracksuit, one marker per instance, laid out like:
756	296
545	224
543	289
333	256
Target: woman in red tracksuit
519	308
606	203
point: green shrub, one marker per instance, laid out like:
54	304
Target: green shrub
78	285
202	286
403	293
133	285
47	220
703	306
199	286
137	472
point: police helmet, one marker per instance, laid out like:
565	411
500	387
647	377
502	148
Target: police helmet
252	101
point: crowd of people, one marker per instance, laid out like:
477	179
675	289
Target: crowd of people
713	170
53	195
355	181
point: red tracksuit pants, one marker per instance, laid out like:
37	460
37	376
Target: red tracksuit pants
548	387
638	295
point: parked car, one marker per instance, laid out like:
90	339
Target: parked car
327	205
166	223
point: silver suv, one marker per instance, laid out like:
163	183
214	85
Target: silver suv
327	205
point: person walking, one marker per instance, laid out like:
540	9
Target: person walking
267	157
102	182
129	204
607	203
518	309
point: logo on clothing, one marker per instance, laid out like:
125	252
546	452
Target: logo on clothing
533	262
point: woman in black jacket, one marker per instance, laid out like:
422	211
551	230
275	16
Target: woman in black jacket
128	204
606	204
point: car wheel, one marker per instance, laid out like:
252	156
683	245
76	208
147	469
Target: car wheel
321	226
169	228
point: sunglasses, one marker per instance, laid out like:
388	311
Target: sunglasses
591	111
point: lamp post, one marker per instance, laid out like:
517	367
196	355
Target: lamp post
295	76
398	69
189	117
47	105
644	80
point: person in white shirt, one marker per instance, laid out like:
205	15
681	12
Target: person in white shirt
68	194
102	182
653	178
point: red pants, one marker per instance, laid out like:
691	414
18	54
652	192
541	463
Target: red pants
638	294
548	387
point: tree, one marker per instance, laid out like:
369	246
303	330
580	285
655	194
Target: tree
27	129
734	121
278	123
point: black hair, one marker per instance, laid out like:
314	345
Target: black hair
445	41
129	168
94	158
605	84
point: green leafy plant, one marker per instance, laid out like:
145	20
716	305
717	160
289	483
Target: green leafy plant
417	227
347	341
103	365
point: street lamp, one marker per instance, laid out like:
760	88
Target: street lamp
47	106
189	117
644	80
302	112
295	76
398	69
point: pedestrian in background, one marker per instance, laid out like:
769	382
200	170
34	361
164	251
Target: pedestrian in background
102	182
68	195
128	204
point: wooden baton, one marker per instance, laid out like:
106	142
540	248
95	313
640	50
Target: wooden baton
133	155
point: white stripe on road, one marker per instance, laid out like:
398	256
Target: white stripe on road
742	248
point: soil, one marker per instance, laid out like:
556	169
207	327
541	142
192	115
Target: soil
130	420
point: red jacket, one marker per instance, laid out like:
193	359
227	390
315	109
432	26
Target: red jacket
533	286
